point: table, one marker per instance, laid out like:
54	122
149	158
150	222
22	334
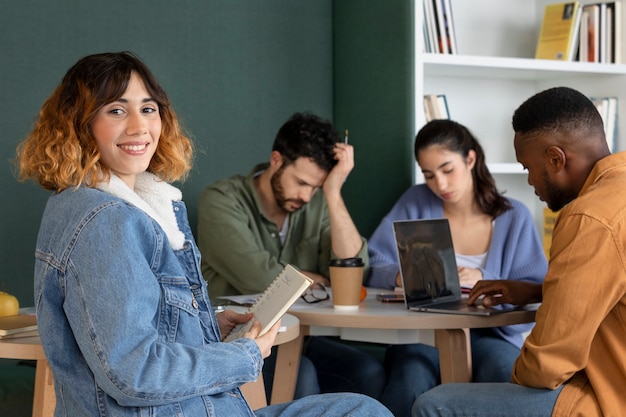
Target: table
287	361
392	323
29	348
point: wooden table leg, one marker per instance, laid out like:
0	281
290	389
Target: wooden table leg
455	358
286	373
44	399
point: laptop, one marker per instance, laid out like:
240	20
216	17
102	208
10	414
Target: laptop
428	269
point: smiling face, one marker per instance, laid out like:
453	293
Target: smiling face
447	173
127	131
295	184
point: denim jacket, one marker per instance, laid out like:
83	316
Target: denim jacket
125	320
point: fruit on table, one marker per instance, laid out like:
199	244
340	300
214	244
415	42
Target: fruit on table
9	305
363	293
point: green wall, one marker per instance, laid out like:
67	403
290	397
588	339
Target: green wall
234	69
373	98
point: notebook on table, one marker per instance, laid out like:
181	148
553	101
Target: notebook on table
428	269
22	325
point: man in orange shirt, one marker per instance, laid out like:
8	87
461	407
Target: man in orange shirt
573	361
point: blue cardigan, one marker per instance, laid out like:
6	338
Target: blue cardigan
515	251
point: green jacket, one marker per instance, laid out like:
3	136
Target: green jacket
240	246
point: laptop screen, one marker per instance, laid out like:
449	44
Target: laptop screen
427	262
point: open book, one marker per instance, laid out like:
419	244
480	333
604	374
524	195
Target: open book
274	301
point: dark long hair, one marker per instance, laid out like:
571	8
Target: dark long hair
457	138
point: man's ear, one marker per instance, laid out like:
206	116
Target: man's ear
276	160
556	158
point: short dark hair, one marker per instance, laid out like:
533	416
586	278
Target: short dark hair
455	137
309	136
557	108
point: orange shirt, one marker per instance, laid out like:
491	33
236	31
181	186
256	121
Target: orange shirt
580	331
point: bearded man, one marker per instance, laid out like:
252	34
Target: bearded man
290	210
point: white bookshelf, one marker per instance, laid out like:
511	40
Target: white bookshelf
495	72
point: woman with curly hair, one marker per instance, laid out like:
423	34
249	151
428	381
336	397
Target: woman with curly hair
123	311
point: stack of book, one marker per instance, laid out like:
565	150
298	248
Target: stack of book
601	33
22	325
439	37
436	107
587	33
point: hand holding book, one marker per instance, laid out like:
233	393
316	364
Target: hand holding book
273	302
264	341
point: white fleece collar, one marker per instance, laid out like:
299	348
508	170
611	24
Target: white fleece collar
154	197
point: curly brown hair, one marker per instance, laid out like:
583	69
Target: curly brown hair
61	152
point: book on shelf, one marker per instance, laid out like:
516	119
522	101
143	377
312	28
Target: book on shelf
614	28
449	26
270	305
591	36
439	34
607	107
601	32
436	107
441	28
559	34
431	39
609	38
549	219
21	325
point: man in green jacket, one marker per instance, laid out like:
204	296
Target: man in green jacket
250	227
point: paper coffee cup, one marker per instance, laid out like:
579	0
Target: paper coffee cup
346	280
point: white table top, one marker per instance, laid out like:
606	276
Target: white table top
380	322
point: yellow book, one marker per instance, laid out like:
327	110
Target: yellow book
549	219
558	38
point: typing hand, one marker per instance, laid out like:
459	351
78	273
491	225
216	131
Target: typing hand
228	319
505	292
266	341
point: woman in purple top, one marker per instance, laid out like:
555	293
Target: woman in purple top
494	238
